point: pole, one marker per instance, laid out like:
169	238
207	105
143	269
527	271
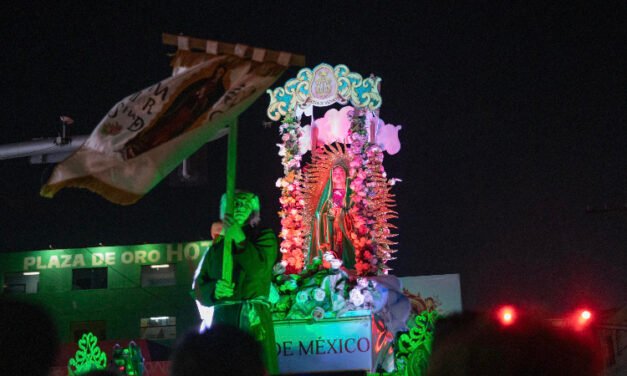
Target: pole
231	166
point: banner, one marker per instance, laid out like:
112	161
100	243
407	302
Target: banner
147	134
327	345
433	292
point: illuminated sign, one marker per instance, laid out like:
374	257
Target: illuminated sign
111	256
326	345
88	357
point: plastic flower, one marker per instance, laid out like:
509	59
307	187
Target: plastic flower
302	297
278	268
356	297
362	282
368	298
317	313
328	256
319	294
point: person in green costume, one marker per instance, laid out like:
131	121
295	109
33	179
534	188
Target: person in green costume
242	303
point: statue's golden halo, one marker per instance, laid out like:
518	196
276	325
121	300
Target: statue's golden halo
316	174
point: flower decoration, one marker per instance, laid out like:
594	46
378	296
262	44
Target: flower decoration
357	298
334	126
302	297
413	348
370	193
319	294
372	201
317	313
291	196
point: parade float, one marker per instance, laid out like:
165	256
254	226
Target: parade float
335	305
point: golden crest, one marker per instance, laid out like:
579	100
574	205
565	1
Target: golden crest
323	86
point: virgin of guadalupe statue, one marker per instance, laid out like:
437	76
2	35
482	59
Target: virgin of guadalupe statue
331	222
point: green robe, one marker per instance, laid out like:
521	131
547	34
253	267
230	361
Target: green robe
248	308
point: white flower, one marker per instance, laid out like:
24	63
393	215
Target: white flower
368	299
328	256
319	294
317	313
335	264
362	282
356	297
302	297
281	150
278	268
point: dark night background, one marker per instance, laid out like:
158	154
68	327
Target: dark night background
513	122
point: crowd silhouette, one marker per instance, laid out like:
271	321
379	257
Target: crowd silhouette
464	344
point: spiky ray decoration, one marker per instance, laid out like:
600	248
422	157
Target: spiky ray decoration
370	202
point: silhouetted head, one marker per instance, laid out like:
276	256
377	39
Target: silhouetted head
28	339
472	344
221	351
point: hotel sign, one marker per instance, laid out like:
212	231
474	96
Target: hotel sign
145	254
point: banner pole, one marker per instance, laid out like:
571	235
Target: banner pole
231	167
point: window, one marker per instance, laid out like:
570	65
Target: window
97	327
15	283
89	278
158	275
162	327
21	283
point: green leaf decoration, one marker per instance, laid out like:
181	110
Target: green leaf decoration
414	347
88	357
351	87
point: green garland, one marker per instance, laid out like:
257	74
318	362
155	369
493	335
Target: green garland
413	348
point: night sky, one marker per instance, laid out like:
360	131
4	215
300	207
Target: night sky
514	131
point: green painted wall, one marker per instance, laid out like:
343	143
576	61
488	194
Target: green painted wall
124	302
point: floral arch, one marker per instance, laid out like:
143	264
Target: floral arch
346	143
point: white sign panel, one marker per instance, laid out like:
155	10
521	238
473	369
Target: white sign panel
326	345
442	292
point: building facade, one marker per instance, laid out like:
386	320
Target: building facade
116	292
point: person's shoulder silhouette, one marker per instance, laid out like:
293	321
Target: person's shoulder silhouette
28	338
474	344
222	350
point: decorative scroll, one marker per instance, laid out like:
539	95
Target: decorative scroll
323	86
414	347
368	206
88	357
